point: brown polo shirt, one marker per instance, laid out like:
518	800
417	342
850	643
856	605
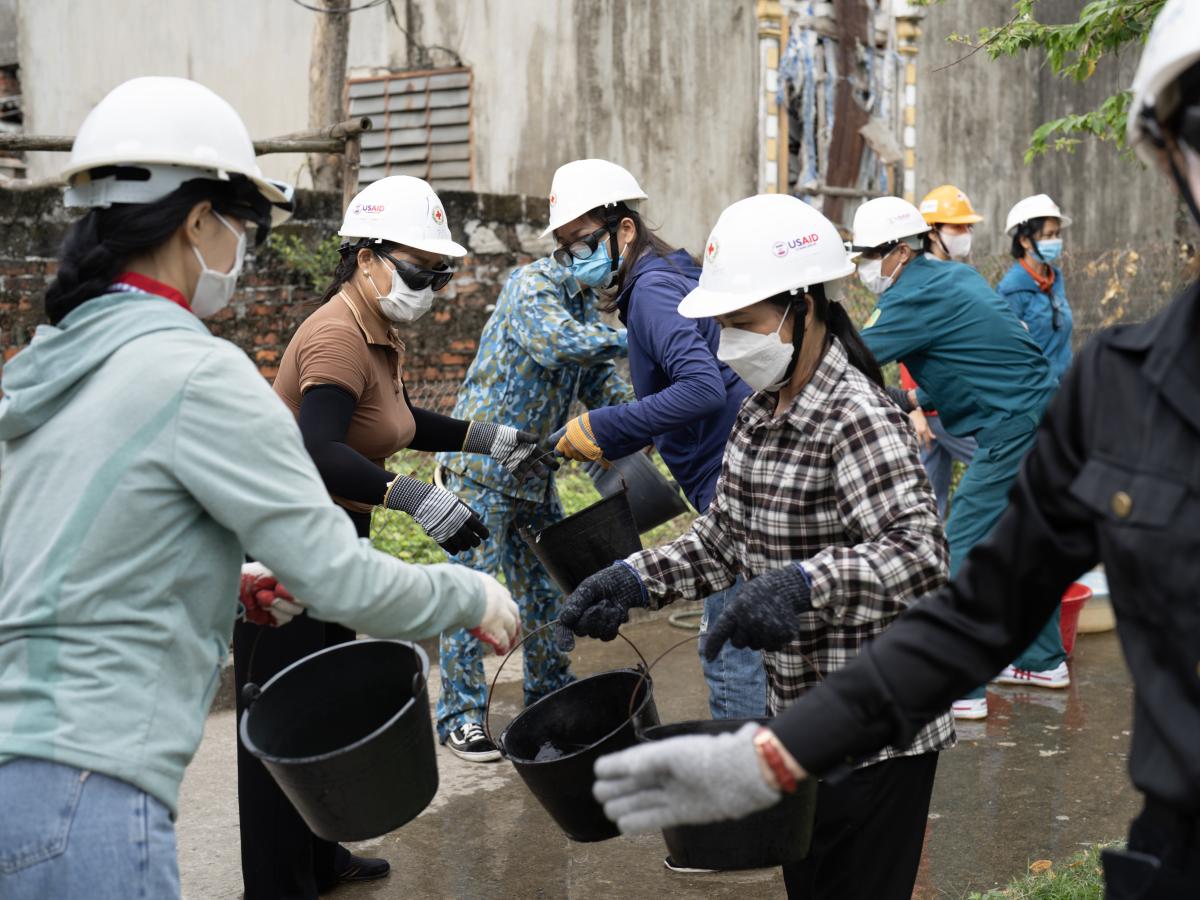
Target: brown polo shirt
348	343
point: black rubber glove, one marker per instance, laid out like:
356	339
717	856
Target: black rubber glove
517	451
600	604
901	399
764	614
445	518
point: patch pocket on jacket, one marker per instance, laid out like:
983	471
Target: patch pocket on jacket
1124	496
47	795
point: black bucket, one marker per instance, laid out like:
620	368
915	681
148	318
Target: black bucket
347	736
653	498
555	743
586	542
771	837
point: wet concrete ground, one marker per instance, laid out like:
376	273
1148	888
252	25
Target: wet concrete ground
1044	775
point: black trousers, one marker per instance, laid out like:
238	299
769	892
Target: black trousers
868	834
281	858
1161	861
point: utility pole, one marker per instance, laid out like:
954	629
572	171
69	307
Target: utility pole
326	86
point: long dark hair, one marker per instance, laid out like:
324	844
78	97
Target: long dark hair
348	262
99	246
645	239
837	324
1029	229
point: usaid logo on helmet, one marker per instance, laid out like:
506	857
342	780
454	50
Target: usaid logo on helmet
368	209
783	248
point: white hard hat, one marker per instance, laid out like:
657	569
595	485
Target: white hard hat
175	130
763	246
1039	206
403	210
1172	48
885	220
580	186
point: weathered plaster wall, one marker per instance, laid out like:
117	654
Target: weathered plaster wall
974	119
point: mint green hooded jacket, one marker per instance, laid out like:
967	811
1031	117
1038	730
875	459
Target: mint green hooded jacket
140	457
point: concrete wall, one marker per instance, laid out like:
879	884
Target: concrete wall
974	120
666	88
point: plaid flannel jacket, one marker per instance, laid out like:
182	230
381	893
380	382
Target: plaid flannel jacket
835	482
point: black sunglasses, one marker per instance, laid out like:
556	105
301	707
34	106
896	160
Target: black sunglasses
582	248
417	277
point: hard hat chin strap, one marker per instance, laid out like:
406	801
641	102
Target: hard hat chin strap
1185	186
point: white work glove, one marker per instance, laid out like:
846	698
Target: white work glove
501	622
684	781
262	600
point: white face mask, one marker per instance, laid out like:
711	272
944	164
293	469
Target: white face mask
870	273
958	246
402	303
760	360
215	289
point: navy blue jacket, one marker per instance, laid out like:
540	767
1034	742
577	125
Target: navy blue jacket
687	400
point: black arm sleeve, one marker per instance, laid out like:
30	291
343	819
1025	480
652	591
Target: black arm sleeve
435	431
959	637
325	414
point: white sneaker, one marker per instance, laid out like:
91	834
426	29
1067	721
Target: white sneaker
973	708
1058	677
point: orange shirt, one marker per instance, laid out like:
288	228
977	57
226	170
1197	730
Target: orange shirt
348	343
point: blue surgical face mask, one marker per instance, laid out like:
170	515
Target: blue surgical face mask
1050	250
595	271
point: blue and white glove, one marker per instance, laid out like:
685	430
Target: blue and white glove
517	451
445	518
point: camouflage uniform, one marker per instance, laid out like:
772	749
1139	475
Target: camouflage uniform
543	348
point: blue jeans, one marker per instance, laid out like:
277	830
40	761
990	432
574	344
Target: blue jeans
737	680
69	833
939	459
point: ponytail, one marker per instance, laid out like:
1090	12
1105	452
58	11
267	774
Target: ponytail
837	325
347	263
99	246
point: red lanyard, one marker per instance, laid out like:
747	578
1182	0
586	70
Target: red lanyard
149	285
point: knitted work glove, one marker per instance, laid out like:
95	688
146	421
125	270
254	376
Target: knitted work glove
262	600
764	614
517	451
445	518
683	781
578	441
501	621
600	604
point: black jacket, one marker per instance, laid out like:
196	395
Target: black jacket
1114	477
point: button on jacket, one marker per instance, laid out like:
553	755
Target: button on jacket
1115	478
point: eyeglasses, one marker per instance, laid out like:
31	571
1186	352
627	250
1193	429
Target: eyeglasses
582	248
416	277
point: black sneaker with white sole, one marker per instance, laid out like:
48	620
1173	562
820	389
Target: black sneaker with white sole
685	870
469	742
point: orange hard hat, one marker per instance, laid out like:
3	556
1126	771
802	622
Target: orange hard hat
947	205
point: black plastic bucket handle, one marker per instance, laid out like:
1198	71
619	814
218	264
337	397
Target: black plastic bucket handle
487	710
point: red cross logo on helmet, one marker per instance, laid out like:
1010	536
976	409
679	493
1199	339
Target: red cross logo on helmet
710	252
438	215
553	199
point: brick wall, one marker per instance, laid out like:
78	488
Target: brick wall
275	294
